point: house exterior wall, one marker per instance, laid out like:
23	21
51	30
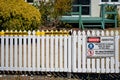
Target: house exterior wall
118	9
95	8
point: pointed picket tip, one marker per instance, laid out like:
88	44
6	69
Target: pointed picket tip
98	33
112	33
74	33
60	30
43	31
93	32
88	33
24	31
38	30
20	30
51	31
11	31
107	33
116	32
65	30
33	32
79	33
16	31
2	31
6	31
56	30
83	32
29	32
47	31
102	33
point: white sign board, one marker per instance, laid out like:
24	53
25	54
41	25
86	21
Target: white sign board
100	46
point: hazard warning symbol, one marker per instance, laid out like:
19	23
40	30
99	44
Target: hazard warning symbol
103	46
90	53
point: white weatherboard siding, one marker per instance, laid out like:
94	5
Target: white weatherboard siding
118	9
95	8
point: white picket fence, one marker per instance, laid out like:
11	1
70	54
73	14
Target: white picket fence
80	63
55	53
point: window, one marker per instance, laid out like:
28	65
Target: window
86	6
105	0
114	1
30	1
110	2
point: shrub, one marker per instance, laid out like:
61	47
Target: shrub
18	15
110	9
111	16
62	6
118	18
46	10
51	11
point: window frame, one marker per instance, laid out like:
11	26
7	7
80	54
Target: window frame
30	2
88	5
110	2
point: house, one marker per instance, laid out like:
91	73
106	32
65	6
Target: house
90	11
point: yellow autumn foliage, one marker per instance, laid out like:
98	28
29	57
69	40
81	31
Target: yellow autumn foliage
18	15
62	6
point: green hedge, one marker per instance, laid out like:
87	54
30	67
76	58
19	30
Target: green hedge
18	15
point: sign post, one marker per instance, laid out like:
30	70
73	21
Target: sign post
100	46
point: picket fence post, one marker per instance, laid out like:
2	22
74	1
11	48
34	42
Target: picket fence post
69	53
2	52
98	60
24	53
56	52
61	52
112	58
29	50
84	52
20	52
102	59
74	37
88	59
52	52
38	52
7	39
33	51
117	52
47	52
65	53
79	51
43	52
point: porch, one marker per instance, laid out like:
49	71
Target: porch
76	17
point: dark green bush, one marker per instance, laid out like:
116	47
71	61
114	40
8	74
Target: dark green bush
46	10
112	16
18	15
110	9
118	18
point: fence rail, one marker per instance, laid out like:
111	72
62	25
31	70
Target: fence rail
55	53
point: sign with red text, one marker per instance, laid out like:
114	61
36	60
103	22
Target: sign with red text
100	46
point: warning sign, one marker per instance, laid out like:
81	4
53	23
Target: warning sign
100	46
